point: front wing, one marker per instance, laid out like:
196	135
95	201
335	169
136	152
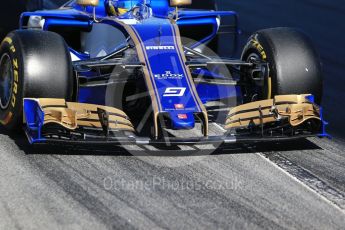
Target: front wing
282	118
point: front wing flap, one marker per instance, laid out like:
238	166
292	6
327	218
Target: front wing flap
294	109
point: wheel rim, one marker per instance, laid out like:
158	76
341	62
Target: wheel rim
260	89
6	81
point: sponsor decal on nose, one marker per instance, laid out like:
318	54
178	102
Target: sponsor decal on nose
160	47
168	75
179	106
182	116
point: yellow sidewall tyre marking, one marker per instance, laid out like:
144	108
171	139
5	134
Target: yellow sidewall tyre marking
10	112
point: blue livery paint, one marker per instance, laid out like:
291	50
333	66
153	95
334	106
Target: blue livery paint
166	66
210	93
168	72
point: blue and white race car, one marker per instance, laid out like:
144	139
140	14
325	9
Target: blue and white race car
114	72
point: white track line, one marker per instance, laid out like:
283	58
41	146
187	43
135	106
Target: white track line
333	204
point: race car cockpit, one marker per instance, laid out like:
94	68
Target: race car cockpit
120	7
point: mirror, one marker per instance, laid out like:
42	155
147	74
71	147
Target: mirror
88	2
180	2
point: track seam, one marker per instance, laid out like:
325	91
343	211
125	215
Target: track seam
323	195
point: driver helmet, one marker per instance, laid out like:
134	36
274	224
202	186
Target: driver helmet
119	7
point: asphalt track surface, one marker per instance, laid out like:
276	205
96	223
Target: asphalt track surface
295	185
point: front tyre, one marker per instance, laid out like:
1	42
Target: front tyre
33	64
294	64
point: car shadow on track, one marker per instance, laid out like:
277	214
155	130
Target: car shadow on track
161	151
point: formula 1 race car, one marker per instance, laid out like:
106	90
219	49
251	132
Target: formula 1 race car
114	72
